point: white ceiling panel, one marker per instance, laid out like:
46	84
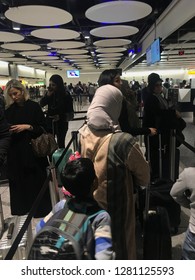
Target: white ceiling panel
118	11
38	15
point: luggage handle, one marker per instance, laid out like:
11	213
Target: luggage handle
1	217
10	231
147	200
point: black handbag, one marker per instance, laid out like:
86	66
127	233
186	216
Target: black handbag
44	145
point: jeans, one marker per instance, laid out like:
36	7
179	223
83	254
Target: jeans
188	250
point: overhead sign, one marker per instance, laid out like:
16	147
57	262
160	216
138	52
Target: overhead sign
181	52
191	72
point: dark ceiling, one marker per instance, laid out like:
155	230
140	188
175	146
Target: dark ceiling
81	24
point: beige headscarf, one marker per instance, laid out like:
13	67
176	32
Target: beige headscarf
105	108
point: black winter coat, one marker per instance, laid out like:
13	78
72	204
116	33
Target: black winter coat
26	172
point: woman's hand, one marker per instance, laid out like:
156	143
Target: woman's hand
17	128
178	114
50	91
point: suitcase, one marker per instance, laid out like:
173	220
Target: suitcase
56	155
156	226
160	188
12	227
157	239
160	196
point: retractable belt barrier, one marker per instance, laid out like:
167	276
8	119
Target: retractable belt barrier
33	209
187	145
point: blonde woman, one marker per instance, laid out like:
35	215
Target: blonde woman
26	173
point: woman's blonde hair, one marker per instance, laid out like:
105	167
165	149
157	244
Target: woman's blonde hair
14	84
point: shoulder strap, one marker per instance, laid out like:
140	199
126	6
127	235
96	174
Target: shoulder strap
95	214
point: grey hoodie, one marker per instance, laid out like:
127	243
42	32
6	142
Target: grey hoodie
185	182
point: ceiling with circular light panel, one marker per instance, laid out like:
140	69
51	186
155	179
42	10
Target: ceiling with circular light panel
110	50
14	59
46	57
118	11
66	44
112	43
75	56
10	37
20	46
34	53
55	34
6	54
114	31
110	55
90	27
73	51
37	15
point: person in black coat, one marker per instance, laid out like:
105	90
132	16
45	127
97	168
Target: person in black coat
128	119
60	107
157	114
26	172
4	137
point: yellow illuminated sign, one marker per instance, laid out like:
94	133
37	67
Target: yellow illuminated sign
191	72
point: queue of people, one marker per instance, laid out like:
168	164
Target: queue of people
106	139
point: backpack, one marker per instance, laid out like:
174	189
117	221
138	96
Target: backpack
66	236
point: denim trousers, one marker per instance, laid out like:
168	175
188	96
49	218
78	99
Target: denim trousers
188	250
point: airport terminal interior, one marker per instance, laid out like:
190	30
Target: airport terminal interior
78	40
187	159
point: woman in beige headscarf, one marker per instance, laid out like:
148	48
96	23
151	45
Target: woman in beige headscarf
118	161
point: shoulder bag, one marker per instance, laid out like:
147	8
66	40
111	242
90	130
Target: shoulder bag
44	145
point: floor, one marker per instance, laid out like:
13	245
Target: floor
186	159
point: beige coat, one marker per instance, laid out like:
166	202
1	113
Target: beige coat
97	145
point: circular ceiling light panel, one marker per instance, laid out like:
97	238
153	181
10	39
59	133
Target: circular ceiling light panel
109	59
77	56
58	64
110	55
46	57
80	61
66	45
55	34
20	46
31	62
58	61
34	53
84	63
38	15
112	43
2	55
118	11
49	61
110	50
107	64
15	59
72	51
10	37
114	31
